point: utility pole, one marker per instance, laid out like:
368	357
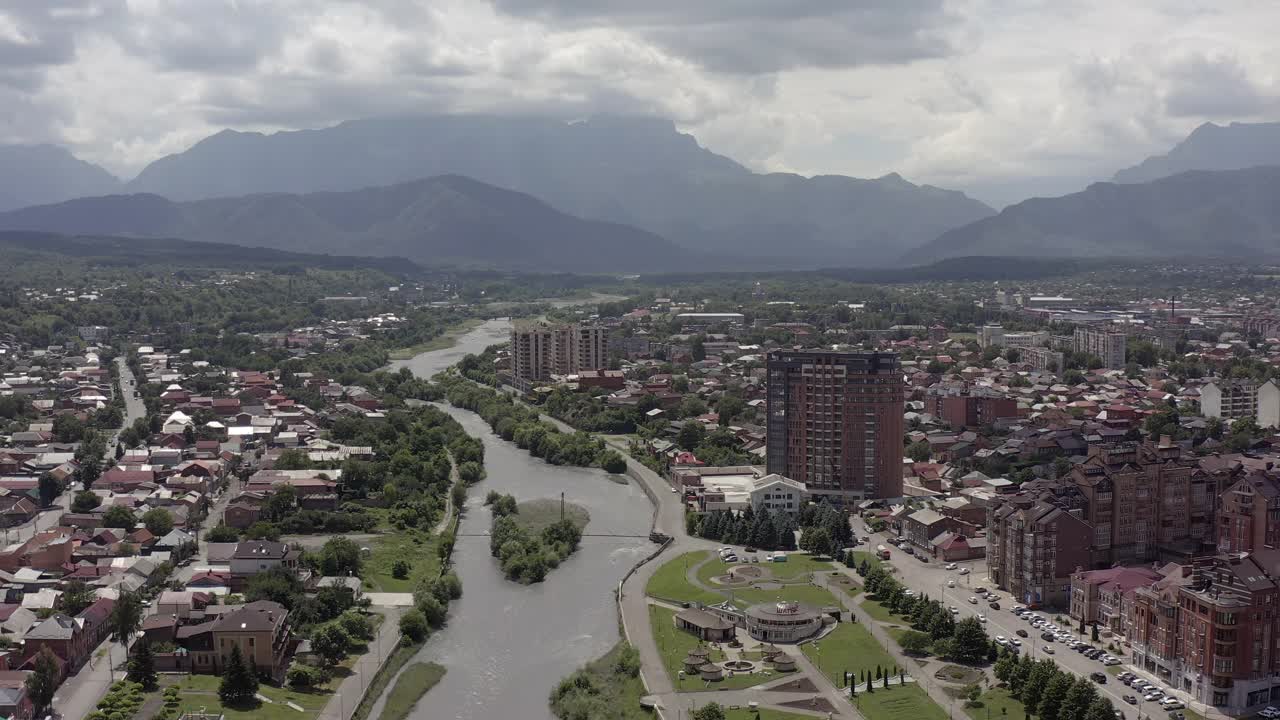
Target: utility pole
562	506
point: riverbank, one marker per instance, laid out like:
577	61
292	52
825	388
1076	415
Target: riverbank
443	341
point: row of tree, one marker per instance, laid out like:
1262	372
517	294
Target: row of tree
525	556
1049	692
767	529
934	627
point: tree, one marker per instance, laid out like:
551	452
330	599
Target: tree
1005	668
914	642
818	541
76	596
691	435
43	680
331	642
919	451
292	459
400	569
1033	689
970	641
126	617
277	585
280	504
142	666
49	489
340	556
355	625
710	711
1100	709
413	625
119	516
158	521
1055	693
85	501
222	533
239	681
1079	698
613	462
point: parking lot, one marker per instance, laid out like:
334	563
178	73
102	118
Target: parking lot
956	586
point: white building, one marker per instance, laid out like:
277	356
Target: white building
1229	399
777	493
1269	405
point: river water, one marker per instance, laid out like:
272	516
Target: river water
507	645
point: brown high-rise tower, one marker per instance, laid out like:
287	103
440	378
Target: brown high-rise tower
835	423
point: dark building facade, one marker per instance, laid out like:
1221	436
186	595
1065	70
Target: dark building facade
835	423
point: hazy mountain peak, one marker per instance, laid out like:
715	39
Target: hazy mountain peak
1212	147
44	173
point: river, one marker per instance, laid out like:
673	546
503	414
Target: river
507	645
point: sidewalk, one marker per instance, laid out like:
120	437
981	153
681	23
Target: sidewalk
345	699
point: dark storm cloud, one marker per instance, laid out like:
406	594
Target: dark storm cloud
759	36
1216	87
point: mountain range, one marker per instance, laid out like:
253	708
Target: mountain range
442	220
1230	213
39	174
623	193
1212	147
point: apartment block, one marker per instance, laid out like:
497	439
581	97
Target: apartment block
835	423
1035	541
1230	398
1043	359
1248	517
964	407
1269	405
1144	502
1106	345
540	349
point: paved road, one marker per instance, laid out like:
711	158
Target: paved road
931	578
79	695
134	408
347	697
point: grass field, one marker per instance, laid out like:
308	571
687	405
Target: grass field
994	701
815	597
416	547
669	581
201	691
796	568
412	684
534	515
907	702
675	644
849	647
444	340
762	714
882	613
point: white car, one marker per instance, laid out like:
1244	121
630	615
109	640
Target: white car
973	600
964	571
982	618
1015	642
1048	649
1111	661
1001	639
949	566
954	610
1271	711
1153	695
951	583
1172	704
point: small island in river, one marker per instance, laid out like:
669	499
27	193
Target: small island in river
532	538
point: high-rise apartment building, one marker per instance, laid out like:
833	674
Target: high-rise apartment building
1229	398
540	349
1108	346
1249	515
835	423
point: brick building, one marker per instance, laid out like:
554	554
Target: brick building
969	408
1035	541
1249	514
835	423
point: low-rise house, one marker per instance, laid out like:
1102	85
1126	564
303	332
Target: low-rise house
260	629
1106	597
63	635
255	556
15	702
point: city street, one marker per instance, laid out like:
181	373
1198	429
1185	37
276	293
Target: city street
931	579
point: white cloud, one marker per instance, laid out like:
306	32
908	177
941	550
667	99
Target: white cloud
960	93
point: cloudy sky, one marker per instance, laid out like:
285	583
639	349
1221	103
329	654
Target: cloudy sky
1002	98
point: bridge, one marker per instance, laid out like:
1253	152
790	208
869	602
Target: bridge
585	535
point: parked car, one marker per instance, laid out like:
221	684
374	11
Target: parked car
950	566
951	583
1172	704
1020	632
1048	649
994	605
1131	699
964	571
1270	711
973	601
954	610
1100	678
982	618
1046	636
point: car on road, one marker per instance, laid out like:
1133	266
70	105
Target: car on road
1015	642
982	618
950	566
1048	649
973	601
951	583
1020	632
964	571
1019	610
1100	678
1000	639
1153	696
1110	660
980	591
1172	704
1270	711
954	610
1047	637
1131	699
994	605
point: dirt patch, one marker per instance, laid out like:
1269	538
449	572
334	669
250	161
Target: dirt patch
817	704
802	684
958	674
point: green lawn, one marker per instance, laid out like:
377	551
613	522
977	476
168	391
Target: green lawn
796	568
675	644
849	647
908	702
669	582
534	515
412	684
810	595
995	700
201	691
883	614
416	547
